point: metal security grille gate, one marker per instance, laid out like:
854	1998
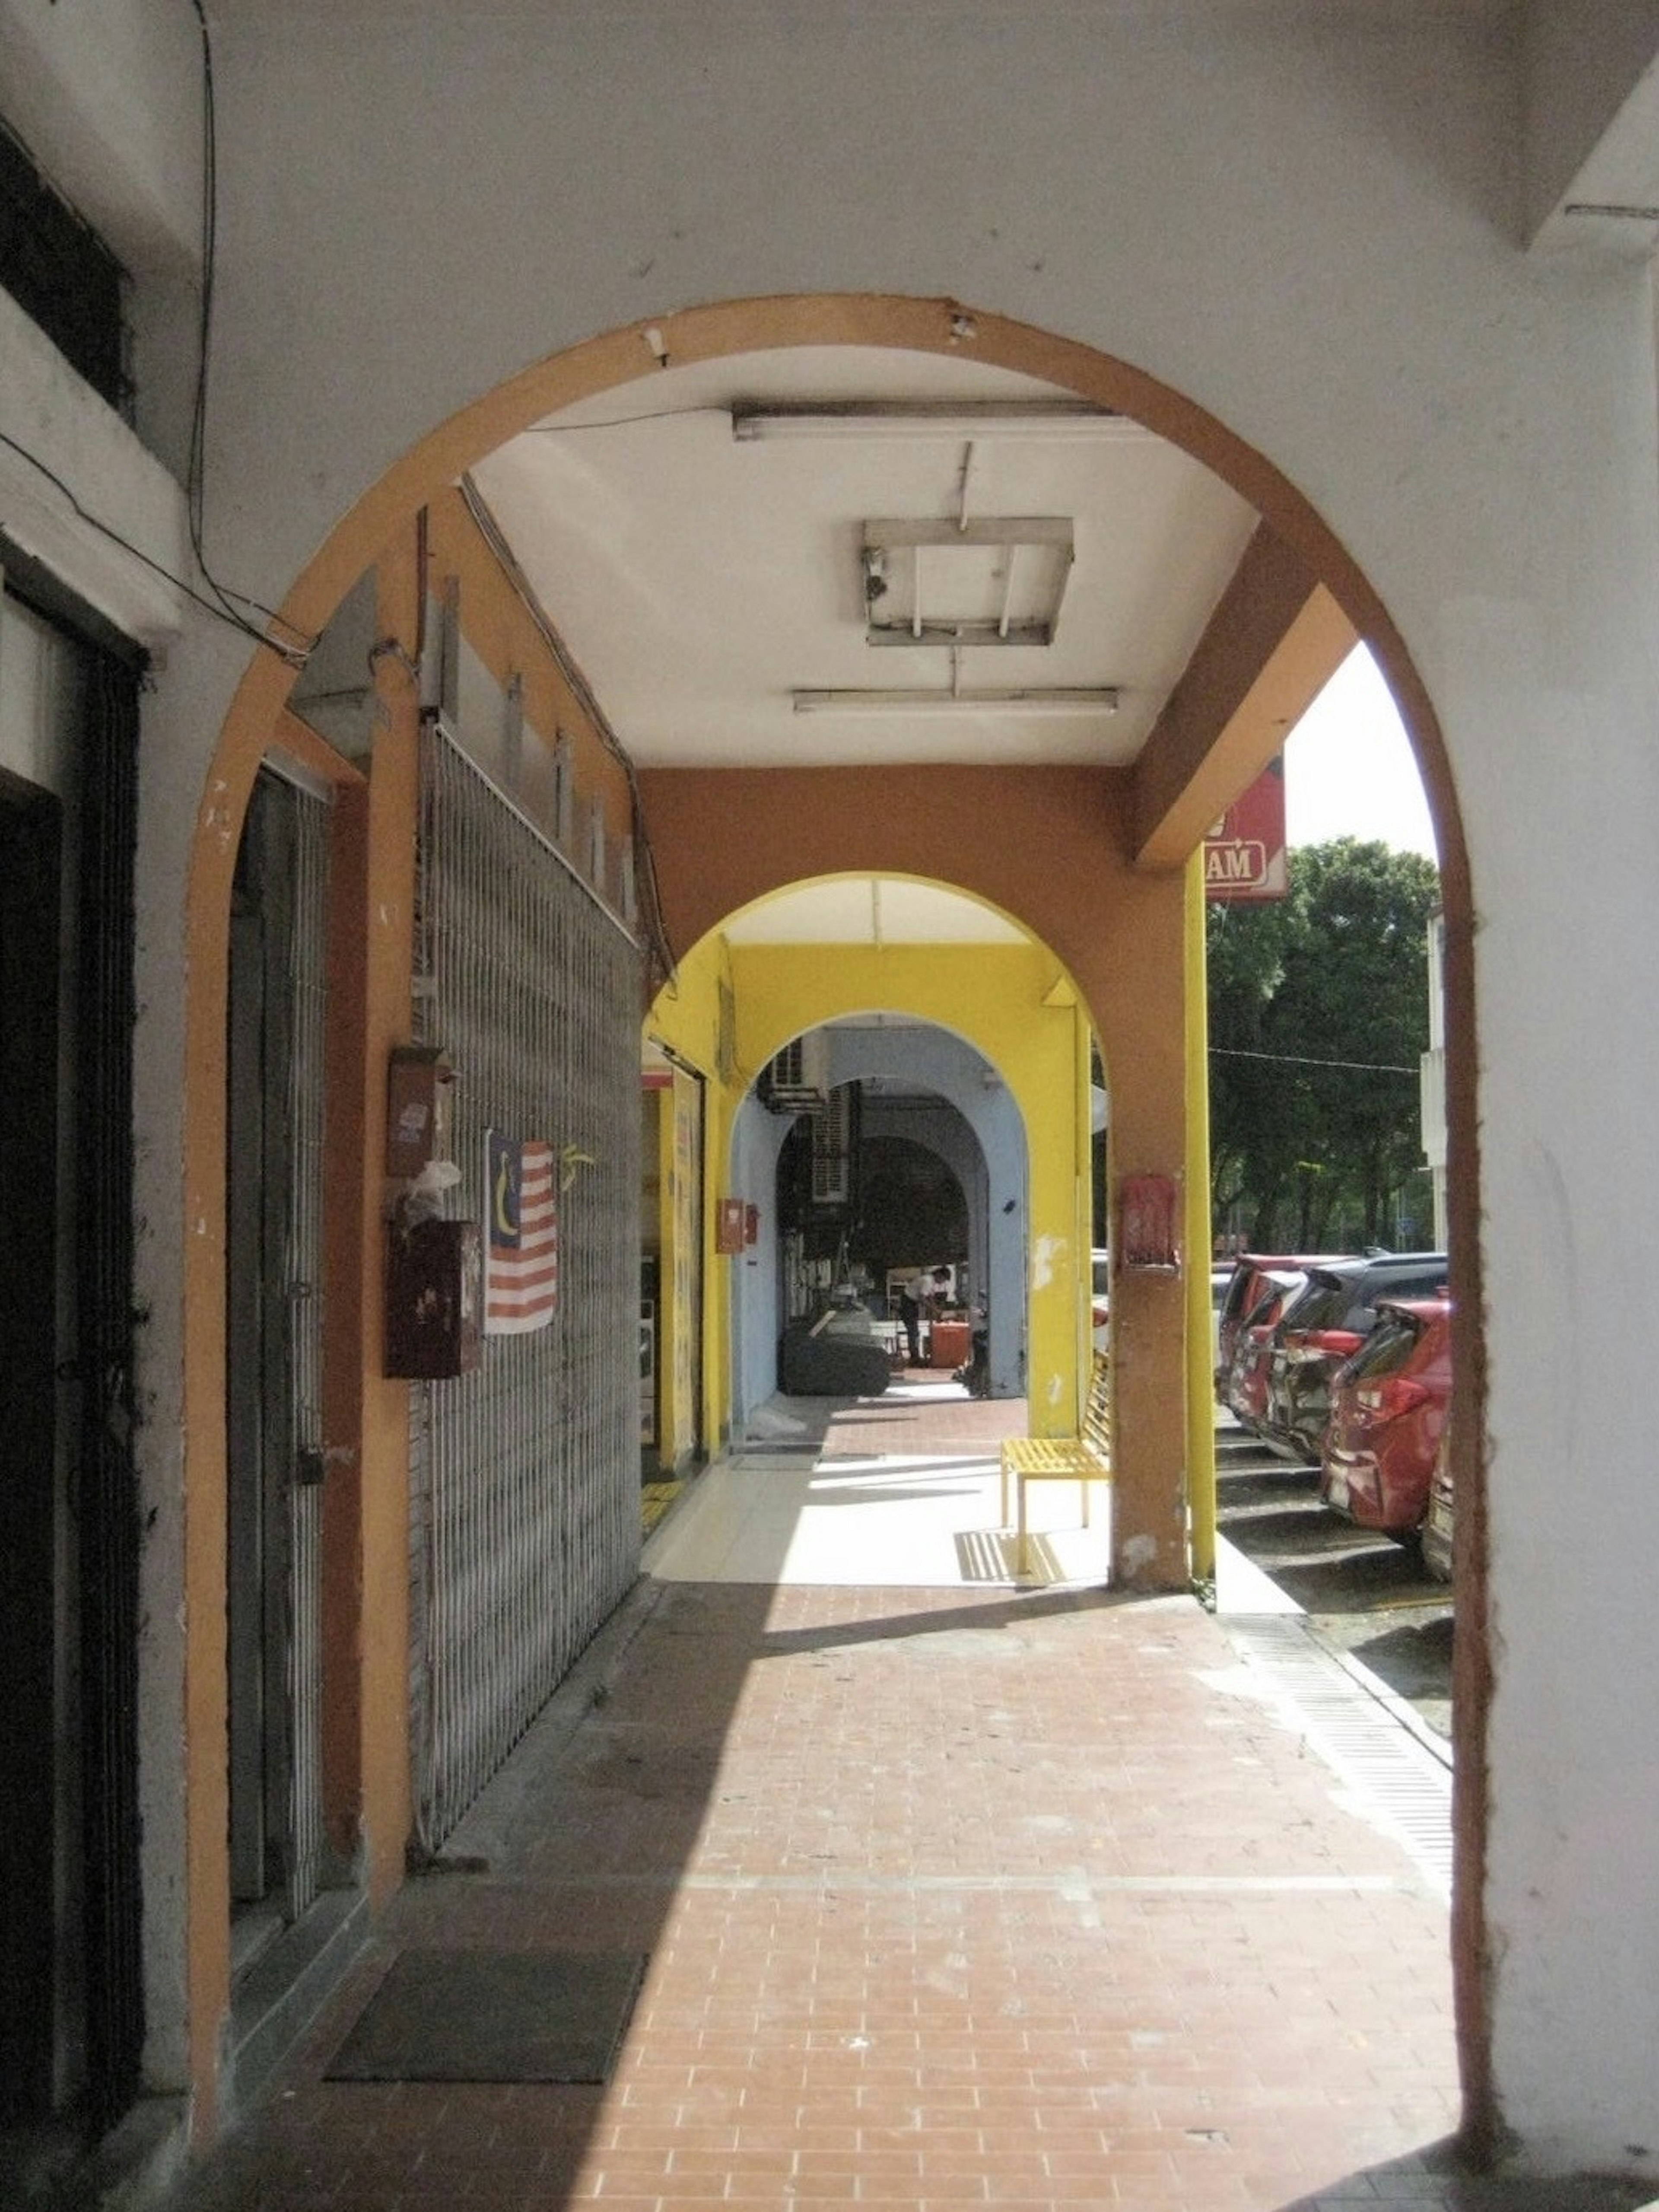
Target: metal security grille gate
527	1519
278	993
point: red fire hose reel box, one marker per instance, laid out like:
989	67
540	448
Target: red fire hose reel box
1149	1212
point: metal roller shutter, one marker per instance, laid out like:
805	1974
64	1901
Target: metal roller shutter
526	1504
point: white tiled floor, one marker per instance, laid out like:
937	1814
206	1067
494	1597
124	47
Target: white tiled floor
905	1521
915	1520
927	1517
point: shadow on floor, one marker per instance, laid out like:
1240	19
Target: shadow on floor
1292	1528
1411	1658
1437	2179
1357	1580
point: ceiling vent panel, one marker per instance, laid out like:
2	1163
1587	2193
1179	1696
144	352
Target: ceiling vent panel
1000	581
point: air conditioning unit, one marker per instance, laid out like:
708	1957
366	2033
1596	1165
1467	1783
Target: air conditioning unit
797	1079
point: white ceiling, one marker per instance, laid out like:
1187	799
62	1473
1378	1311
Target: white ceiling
872	910
699	580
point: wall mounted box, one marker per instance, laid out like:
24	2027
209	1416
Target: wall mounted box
418	1083
1148	1214
434	1299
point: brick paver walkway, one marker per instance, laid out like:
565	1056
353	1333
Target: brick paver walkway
974	1897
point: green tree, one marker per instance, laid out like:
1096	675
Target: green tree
1318	1013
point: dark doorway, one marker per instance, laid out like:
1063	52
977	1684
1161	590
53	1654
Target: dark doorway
71	2000
31	837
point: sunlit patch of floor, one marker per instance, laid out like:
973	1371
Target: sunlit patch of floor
915	1520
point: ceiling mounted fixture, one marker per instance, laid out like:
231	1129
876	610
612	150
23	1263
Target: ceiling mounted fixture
930	418
999	581
1073	700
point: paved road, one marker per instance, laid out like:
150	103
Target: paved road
1363	1593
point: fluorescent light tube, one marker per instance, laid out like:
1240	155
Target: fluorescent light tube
929	418
1071	701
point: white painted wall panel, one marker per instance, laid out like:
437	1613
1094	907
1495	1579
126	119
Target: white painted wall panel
1307	226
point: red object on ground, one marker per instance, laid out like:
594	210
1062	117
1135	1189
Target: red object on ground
952	1344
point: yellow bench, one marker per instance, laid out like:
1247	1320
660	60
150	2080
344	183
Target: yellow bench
1081	1459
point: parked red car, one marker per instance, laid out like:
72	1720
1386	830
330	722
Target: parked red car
1336	1313
1387	1411
1245	1390
1252	1280
1438	1526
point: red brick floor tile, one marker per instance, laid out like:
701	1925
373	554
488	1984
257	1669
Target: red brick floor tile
951	1898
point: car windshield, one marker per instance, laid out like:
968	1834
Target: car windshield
1389	1345
1319	1305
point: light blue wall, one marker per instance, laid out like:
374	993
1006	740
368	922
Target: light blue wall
757	1140
977	1131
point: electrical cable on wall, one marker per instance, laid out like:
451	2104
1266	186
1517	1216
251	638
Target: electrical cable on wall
294	657
218	600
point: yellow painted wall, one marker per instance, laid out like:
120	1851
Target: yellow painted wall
1013	1003
680	1227
685	1017
1051	848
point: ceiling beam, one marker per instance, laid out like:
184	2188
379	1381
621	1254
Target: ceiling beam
1274	641
1591	107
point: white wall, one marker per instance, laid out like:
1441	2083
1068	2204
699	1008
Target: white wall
1305	222
1583	80
108	98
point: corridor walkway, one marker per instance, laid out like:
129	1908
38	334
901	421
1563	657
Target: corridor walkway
950	1893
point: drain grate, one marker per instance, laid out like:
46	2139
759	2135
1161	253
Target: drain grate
1396	1782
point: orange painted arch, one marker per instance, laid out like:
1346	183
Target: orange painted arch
623	355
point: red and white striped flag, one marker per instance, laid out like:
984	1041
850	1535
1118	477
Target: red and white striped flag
521	1250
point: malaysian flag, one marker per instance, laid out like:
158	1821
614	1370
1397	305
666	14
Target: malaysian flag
521	1253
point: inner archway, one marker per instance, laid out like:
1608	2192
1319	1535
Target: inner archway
908	1186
